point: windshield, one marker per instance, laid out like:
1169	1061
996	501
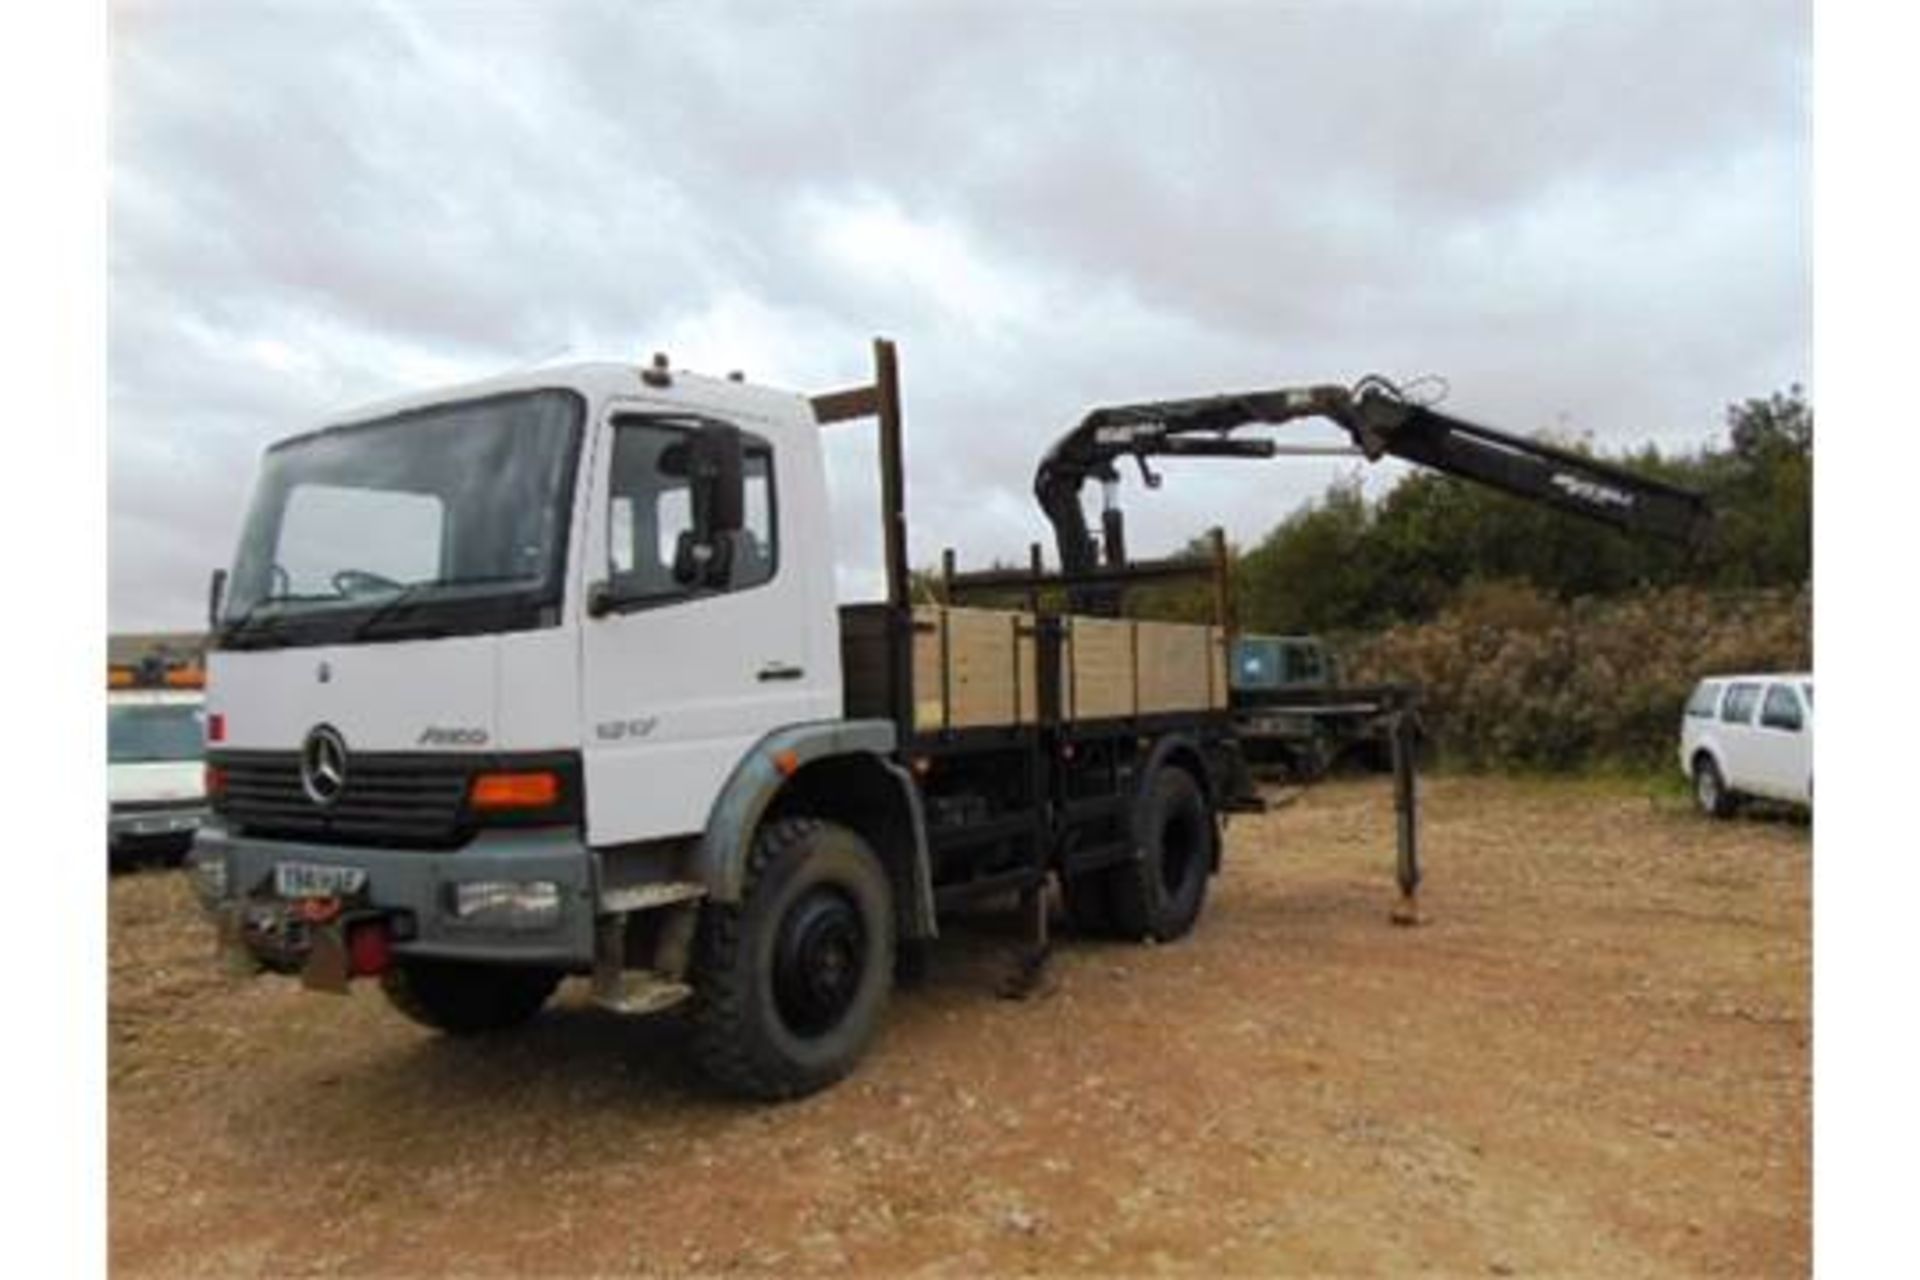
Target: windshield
440	521
146	735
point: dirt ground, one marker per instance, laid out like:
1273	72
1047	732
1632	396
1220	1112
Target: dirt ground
1593	1059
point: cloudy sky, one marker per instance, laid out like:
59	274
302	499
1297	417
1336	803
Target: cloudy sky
1589	217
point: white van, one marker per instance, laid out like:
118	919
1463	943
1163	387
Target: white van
1749	735
156	778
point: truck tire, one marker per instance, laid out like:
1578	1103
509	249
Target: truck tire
789	983
1087	899
1160	895
1311	761
1710	788
461	998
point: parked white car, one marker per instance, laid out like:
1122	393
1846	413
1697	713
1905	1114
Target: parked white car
1749	736
156	778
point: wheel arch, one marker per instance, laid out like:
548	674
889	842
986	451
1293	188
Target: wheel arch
841	771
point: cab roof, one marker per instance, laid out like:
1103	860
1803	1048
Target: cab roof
597	381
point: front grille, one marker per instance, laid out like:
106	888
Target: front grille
403	800
184	804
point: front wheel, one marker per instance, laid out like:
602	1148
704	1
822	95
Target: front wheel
1710	789
791	981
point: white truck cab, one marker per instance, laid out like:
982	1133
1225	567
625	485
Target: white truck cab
1749	736
511	569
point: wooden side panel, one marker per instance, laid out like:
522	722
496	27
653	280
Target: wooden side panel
982	677
977	668
1176	662
1117	667
929	674
1100	660
972	668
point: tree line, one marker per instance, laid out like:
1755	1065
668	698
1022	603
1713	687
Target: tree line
1347	564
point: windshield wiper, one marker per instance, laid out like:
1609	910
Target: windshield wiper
236	628
411	594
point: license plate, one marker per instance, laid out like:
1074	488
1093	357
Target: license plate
316	880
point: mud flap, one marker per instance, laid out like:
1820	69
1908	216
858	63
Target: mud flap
328	967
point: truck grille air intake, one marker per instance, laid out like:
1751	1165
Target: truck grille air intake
404	800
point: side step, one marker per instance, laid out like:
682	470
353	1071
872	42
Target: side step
620	989
637	991
645	897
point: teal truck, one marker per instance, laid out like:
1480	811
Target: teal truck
1291	708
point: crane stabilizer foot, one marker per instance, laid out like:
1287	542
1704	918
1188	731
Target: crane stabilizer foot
1406	913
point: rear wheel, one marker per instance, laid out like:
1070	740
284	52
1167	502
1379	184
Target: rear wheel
1160	895
791	981
465	999
1086	898
1710	789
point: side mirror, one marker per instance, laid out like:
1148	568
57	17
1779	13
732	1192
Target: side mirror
716	476
216	591
717	470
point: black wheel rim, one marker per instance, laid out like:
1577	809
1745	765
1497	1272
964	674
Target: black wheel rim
1180	846
819	961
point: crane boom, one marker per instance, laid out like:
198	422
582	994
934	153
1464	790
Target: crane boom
1382	422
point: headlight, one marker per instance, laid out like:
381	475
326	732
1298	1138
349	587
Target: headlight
508	904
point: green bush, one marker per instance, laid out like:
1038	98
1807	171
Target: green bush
1512	678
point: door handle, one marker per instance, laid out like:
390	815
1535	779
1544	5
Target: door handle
781	671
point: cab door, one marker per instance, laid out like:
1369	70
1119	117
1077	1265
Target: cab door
684	671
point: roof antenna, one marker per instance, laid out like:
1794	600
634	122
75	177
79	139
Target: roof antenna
656	375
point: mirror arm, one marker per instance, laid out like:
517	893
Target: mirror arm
216	590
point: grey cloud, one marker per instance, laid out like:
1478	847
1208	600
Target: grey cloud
1590	218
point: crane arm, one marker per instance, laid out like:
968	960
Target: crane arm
1381	422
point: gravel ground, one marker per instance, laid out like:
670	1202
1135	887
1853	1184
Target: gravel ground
1594	1058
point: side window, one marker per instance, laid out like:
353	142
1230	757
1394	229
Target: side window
754	558
1738	708
650	511
1705	697
620	534
1781	709
1302	664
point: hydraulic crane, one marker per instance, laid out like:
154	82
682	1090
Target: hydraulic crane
1382	421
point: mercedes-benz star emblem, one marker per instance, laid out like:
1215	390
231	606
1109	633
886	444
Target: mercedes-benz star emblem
323	765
